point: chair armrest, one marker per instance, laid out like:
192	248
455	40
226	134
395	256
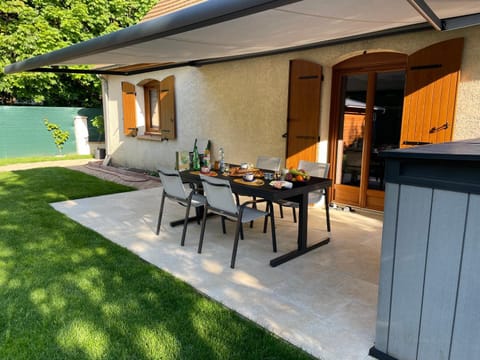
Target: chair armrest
251	202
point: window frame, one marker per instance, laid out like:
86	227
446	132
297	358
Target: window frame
150	129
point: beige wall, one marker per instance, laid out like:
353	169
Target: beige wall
242	105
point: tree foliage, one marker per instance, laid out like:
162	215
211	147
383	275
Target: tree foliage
34	27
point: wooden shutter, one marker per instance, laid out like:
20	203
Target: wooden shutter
167	108
129	108
430	93
303	121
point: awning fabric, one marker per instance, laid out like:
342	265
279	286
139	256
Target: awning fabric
219	30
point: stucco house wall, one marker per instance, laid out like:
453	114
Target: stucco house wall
242	105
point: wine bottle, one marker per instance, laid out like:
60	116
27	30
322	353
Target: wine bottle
206	156
196	158
221	156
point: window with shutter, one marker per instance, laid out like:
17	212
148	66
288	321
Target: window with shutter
160	108
152	107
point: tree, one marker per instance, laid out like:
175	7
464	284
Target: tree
34	27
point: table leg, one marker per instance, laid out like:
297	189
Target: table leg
327	208
198	216
302	246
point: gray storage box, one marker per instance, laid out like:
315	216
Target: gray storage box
429	286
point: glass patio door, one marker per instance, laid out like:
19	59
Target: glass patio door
370	120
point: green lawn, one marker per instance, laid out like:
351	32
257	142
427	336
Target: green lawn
68	293
10	161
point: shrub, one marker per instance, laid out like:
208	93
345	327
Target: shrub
59	136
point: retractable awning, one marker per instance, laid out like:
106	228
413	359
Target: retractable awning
220	30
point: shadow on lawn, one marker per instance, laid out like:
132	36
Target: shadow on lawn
67	292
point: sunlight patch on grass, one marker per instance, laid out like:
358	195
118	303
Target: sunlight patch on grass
38	296
158	343
14	284
117	280
85	254
83	336
111	309
52	196
101	251
3	274
6	252
90	281
151	296
47	303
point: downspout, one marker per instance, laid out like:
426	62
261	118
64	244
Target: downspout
106	117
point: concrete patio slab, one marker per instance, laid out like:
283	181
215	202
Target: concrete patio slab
323	302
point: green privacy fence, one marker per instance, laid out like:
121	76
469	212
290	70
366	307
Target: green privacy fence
22	132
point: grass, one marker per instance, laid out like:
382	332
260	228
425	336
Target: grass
22	160
68	293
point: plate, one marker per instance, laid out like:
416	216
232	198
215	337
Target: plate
211	173
256	182
236	171
281	184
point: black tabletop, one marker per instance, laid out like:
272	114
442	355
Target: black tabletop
265	191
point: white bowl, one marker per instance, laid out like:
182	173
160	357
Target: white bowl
248	177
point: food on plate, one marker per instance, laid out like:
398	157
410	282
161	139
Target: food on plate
278	184
237	171
299	175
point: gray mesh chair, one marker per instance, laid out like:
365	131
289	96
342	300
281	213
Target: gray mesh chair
268	163
220	200
174	189
314	169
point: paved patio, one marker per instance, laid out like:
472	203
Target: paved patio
323	302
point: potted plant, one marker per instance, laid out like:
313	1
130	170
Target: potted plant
98	123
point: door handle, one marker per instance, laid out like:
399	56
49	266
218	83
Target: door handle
408	142
285	135
438	128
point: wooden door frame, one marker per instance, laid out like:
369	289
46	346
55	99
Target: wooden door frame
365	63
367	138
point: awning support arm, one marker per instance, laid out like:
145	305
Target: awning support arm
425	10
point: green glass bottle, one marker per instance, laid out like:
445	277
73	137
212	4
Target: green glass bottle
206	156
196	158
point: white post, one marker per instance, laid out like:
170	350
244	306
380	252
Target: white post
81	135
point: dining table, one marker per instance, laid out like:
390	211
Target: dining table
297	193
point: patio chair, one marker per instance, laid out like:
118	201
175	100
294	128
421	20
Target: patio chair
314	169
174	189
268	163
220	200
